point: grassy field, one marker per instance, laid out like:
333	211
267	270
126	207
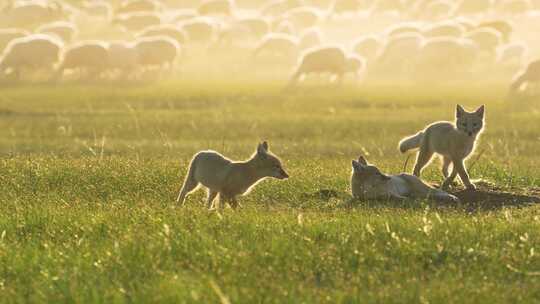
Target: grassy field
89	174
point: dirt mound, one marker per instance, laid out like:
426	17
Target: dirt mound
488	196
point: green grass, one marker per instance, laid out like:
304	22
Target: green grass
89	173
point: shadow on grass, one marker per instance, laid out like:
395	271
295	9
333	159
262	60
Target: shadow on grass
487	197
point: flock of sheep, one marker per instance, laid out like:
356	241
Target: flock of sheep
400	40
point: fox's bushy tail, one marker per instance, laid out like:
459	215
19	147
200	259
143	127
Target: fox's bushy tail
190	183
411	142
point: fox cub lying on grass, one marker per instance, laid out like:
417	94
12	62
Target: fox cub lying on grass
453	141
368	182
228	178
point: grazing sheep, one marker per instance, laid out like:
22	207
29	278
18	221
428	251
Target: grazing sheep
512	54
514	7
468	7
85	57
35	51
434	9
530	75
403	28
160	51
137	21
181	15
368	47
168	30
276	8
216	7
277	44
201	29
63	29
331	60
346	6
30	13
284	27
6	35
137	6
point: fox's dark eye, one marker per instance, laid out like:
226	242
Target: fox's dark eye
475	124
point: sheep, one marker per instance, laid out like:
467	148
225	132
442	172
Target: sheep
6	35
368	47
277	44
434	9
35	51
276	8
444	29
33	12
345	6
512	54
504	27
284	27
258	26
310	38
388	6
403	28
514	7
216	7
63	29
468	7
200	29
159	51
530	75
331	60
487	39
85	56
304	17
181	15
165	30
101	9
138	6
445	56
137	21
122	58
399	54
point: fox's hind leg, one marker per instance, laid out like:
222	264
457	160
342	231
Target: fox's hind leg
446	161
211	197
423	158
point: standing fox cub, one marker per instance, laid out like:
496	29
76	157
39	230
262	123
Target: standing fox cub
368	182
228	178
454	142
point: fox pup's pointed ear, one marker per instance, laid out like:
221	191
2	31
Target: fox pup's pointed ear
262	148
357	166
459	111
362	160
480	111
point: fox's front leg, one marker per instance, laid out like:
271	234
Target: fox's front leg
448	181
464	175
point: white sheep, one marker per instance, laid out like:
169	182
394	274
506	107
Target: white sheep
468	7
137	21
368	47
63	29
200	29
8	34
504	27
444	29
433	9
512	54
445	57
332	60
277	44
514	7
311	38
304	17
487	39
98	8
159	51
33	12
279	7
137	6
258	26
88	57
168	30
35	51
216	7
122	58
398	56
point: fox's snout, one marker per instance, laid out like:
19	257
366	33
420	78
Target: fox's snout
283	174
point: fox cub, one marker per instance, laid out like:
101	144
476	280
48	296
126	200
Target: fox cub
368	182
229	178
454	142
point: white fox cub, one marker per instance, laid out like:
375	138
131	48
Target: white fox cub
454	142
368	182
229	178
